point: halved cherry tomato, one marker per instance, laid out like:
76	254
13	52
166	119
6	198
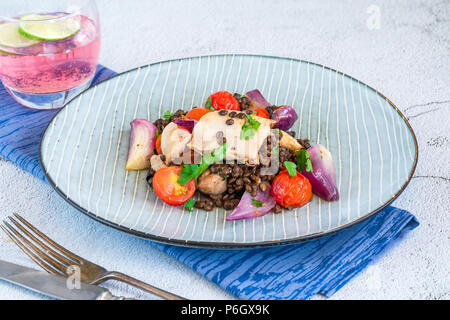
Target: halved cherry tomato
290	191
169	190
224	100
158	145
263	113
197	113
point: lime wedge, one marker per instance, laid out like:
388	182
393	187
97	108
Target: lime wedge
11	38
49	31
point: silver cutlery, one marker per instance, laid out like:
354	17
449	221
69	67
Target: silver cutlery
57	260
52	285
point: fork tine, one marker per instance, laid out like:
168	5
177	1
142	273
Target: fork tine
52	262
60	248
47	249
35	258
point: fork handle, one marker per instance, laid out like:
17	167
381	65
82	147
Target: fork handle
113	275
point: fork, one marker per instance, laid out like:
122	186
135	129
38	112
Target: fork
63	262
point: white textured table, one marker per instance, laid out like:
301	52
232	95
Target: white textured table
400	48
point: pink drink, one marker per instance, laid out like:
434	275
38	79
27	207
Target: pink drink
52	66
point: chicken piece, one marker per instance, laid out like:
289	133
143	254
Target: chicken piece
156	163
174	142
213	127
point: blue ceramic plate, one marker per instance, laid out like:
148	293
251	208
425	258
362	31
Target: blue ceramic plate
84	149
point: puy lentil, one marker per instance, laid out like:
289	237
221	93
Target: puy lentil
291	133
240	115
270	111
231	204
277	209
177	115
199	204
230	122
305	143
209	205
150	175
244	102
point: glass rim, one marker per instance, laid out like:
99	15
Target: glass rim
66	16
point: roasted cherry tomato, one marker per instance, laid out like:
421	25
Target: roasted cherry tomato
263	113
169	190
197	113
158	145
290	191
224	100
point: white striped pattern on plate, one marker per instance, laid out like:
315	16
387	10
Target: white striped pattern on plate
84	148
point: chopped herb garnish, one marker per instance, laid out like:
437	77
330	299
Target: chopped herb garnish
209	159
167	115
208	104
249	128
257	203
187	173
193	171
291	168
303	161
189	205
157	133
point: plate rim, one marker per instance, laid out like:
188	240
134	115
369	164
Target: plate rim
229	245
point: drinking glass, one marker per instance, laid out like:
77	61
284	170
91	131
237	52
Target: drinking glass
48	50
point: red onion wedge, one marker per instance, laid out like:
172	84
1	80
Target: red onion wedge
250	207
188	124
323	177
257	99
142	144
285	116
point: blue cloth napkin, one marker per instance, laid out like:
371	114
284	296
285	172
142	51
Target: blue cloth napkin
296	271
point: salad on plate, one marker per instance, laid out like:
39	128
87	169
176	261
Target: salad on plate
237	153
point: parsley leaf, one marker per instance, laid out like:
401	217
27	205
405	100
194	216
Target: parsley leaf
193	171
249	128
187	173
167	115
303	161
189	205
291	168
209	159
257	203
208	104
